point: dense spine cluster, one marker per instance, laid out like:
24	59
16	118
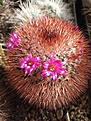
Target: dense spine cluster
51	64
29	10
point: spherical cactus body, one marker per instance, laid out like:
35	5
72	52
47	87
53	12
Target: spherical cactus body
48	62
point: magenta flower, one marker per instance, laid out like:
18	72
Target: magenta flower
29	63
13	41
44	17
53	68
76	28
80	41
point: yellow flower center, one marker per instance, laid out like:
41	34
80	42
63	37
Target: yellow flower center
51	67
30	63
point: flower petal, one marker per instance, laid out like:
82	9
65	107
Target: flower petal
45	65
54	76
45	73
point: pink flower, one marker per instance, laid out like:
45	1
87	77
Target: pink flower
76	28
80	41
13	41
29	63
44	17
53	68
